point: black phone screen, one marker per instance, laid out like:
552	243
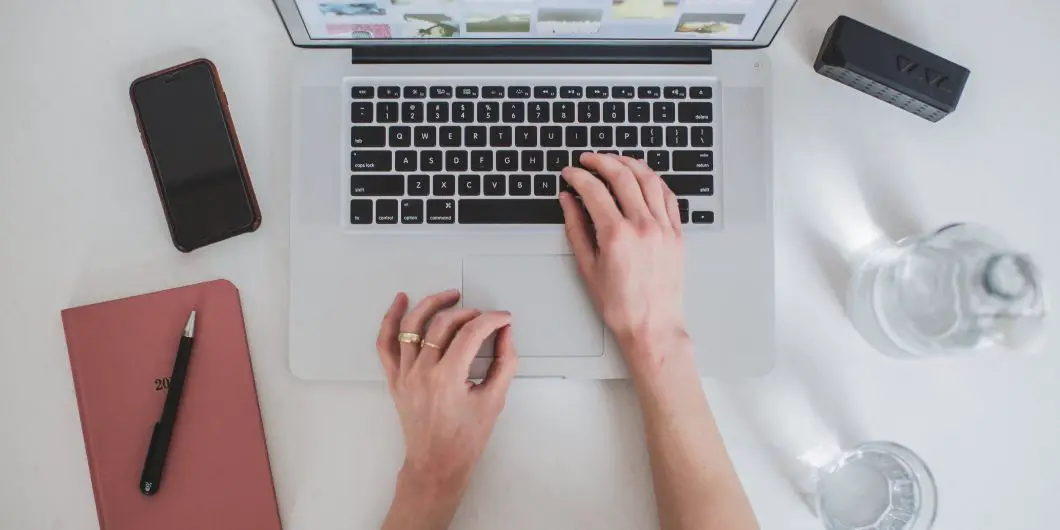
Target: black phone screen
195	158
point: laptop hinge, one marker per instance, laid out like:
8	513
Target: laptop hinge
532	53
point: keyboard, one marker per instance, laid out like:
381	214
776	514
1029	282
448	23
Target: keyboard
435	152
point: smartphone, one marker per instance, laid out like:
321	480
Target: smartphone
198	166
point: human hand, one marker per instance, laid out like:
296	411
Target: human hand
635	271
446	419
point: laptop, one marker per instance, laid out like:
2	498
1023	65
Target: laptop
428	138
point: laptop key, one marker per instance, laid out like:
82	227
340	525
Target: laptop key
651	136
470	185
389	92
545	185
614	112
506	211
361	112
437	112
415	92
563	112
482	161
507	160
545	92
518	185
456	160
639	112
493	92
412	112
401	136
576	158
649	92
690	184
419	185
537	112
601	136
426	136
386	112
702	92
533	160
361	211
556	160
677	136
412	211
494	185
552	136
463	112
703	217
449	136
467	92
570	92
368	137
693	161
659	160
675	92
362	92
405	161
518	92
475	136
682	208
663	112
441	92
589	112
489	112
695	112
371	161
634	153
526	136
596	92
443	185
431	160
441	211
626	136
702	137
377	185
514	112
622	92
386	211
577	136
500	136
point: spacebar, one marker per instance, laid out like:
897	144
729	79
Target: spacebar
509	211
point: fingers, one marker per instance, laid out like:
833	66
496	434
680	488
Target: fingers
651	187
387	344
602	208
622	181
673	210
444	326
577	227
502	371
416	320
469	339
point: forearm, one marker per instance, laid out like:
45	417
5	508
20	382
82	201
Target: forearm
696	486
422	504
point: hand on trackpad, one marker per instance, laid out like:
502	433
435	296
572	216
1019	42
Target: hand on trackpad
551	314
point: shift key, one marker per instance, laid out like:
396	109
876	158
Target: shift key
372	161
377	185
693	161
690	184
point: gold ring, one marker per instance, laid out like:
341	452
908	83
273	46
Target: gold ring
425	344
408	337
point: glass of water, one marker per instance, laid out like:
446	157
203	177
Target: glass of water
876	486
957	289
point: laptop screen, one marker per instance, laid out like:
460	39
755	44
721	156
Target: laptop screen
733	21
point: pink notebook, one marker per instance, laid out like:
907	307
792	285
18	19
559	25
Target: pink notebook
217	472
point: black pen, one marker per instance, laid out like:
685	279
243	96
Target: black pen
151	478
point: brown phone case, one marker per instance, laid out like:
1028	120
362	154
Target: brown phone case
256	221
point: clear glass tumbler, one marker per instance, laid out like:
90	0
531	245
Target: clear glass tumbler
876	486
957	289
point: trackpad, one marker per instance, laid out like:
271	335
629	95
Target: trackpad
552	315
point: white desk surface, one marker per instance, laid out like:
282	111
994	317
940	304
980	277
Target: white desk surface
80	221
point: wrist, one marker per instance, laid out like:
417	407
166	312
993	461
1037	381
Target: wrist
424	500
651	354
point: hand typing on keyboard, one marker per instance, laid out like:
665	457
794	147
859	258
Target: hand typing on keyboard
631	254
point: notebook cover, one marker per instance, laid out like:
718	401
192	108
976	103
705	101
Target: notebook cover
217	473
